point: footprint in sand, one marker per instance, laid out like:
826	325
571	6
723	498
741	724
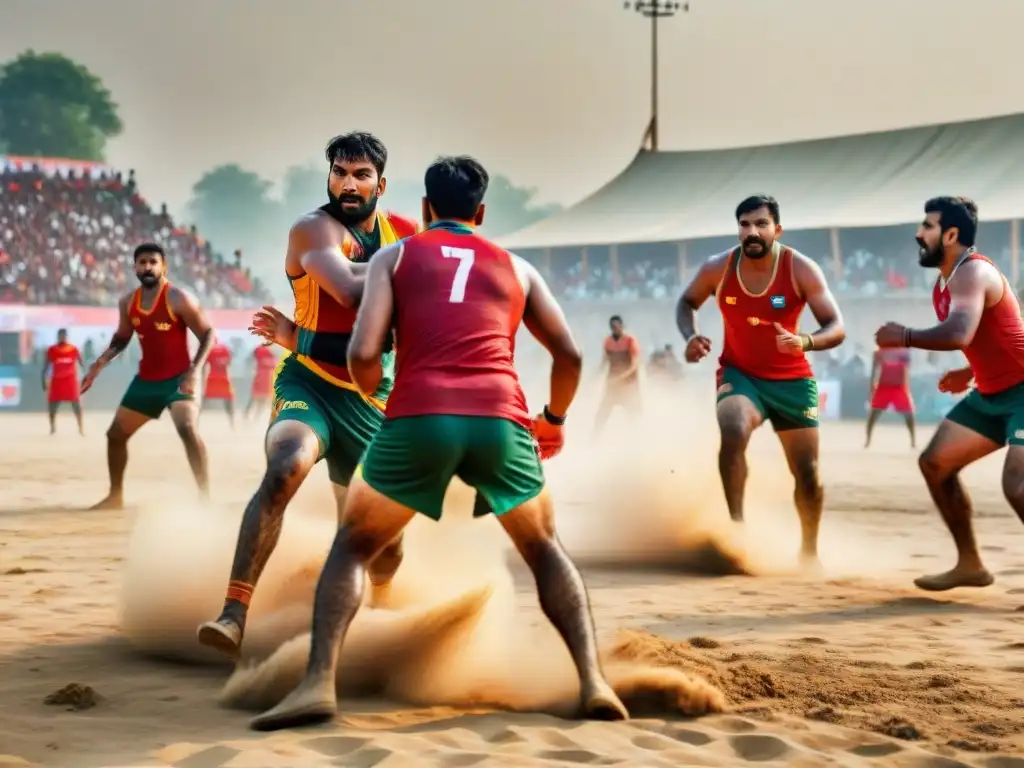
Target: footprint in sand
759	747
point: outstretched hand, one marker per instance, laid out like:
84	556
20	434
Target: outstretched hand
274	327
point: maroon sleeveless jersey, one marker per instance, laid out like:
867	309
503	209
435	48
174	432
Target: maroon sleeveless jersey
996	353
458	304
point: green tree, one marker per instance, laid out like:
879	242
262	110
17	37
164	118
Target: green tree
303	189
232	208
51	106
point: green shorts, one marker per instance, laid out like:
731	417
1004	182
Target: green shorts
999	417
787	404
150	398
344	422
413	459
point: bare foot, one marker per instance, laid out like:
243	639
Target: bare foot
810	564
603	704
112	501
224	635
958	577
314	701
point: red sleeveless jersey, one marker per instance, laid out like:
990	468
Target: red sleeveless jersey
749	344
219	362
892	367
316	310
163	337
458	305
996	353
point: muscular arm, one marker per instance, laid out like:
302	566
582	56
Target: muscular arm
546	322
187	308
313	245
123	334
373	322
811	282
700	289
966	305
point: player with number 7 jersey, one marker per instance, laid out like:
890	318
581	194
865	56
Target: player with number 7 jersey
454	301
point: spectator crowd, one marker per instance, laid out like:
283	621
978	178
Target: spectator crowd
67	238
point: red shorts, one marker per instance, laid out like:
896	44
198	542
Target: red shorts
63	391
896	397
218	389
263	386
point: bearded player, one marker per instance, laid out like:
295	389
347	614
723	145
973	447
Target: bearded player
890	388
622	358
218	380
979	315
263	362
762	287
457	410
63	364
161	315
319	413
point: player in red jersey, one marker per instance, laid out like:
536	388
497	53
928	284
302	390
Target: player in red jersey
62	363
218	380
979	315
456	410
890	388
622	360
319	413
264	361
161	315
762	288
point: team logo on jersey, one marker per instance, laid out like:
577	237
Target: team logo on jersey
136	321
778	302
754	320
1019	434
162	326
730	299
298	405
811	413
725	389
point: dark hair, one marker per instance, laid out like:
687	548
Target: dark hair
144	248
754	202
614	319
959	212
358	145
62	330
456	186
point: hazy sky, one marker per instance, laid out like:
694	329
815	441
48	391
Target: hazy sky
553	93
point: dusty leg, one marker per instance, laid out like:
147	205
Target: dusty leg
801	449
229	409
737	420
872	419
185	415
292	450
1013	479
382	569
371	521
51	409
604	410
563	598
952	448
76	408
126	423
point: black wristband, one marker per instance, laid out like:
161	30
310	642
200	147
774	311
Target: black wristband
550	418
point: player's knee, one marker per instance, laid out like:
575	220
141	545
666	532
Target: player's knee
384	566
805	474
186	431
1013	489
285	469
735	435
116	434
932	466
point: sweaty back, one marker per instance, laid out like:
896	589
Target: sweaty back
458	304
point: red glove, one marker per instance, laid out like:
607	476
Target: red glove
549	437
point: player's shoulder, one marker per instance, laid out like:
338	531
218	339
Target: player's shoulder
718	261
126	299
180	297
404	226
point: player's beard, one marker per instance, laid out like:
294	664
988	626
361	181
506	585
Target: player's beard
148	279
929	257
755	240
350	215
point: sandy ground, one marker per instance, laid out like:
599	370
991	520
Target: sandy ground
852	667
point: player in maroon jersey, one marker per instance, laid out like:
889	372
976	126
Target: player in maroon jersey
762	288
456	410
161	315
890	388
62	363
979	315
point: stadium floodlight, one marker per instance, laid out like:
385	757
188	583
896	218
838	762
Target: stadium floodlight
654	10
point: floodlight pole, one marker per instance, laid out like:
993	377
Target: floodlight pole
654	10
